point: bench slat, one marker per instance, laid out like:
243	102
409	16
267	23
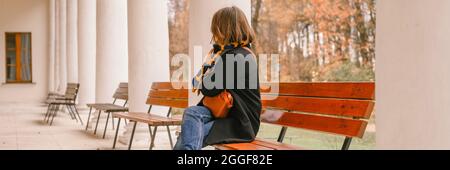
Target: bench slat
328	106
168	102
70	96
73	85
263	143
275	145
150	119
123	85
363	90
122	90
121	96
339	126
173	94
167	85
242	146
71	91
108	107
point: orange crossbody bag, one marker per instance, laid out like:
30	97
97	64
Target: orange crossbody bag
221	104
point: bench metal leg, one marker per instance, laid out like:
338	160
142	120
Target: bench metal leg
170	137
48	111
347	143
53	109
98	119
152	143
72	115
112	121
69	108
78	114
117	132
89	117
132	136
106	125
151	135
150	130
54	115
282	134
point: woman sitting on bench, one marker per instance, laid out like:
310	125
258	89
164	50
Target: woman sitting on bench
232	37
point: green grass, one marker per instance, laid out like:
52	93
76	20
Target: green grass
315	140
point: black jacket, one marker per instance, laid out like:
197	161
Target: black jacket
242	124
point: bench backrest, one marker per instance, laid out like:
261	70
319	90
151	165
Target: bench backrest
121	92
337	108
163	94
72	91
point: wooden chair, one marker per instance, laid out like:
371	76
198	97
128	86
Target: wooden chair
68	100
121	93
161	94
52	96
338	108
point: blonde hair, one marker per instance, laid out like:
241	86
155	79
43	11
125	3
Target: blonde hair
229	25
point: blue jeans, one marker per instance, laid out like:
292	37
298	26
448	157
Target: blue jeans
197	122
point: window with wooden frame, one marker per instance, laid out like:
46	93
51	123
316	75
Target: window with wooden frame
18	57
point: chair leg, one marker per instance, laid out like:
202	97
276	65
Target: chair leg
112	121
106	125
152	143
117	132
151	135
98	119
170	137
150	130
78	114
48	111
71	113
89	117
132	136
54	115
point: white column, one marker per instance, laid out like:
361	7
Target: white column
72	51
413	86
62	53
112	49
201	14
86	50
148	38
52	48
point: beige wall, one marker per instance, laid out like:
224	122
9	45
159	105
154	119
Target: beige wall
413	74
25	16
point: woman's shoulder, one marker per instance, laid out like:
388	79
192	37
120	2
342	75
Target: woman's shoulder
238	50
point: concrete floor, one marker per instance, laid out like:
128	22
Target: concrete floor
22	128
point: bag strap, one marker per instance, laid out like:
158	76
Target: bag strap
251	51
199	78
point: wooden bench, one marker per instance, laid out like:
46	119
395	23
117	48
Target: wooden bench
161	94
121	93
68	100
337	108
52	96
